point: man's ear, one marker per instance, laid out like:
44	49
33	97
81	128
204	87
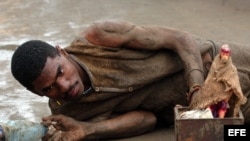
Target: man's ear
61	51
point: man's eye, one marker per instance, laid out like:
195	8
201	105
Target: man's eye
60	72
47	90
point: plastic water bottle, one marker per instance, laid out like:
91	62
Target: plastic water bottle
21	130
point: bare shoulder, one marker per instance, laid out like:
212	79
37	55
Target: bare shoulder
108	33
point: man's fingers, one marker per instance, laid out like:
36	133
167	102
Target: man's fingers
52	120
46	137
57	136
46	123
51	130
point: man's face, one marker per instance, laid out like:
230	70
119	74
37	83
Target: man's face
59	79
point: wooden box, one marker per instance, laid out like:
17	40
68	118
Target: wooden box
209	129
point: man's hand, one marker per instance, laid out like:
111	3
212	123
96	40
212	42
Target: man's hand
66	129
124	125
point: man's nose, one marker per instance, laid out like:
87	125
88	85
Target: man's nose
63	84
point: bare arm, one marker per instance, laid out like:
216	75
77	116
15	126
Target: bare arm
126	125
123	34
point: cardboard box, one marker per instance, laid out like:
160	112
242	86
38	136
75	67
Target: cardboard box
209	129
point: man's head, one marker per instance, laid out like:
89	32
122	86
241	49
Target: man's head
29	60
47	71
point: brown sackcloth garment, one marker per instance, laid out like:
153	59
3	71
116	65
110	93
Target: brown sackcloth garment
222	83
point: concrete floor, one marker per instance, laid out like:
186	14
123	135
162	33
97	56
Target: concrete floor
58	21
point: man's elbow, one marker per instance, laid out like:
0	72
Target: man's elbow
149	121
184	39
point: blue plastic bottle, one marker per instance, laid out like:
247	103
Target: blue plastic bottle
21	130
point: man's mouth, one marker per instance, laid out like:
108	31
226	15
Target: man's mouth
73	93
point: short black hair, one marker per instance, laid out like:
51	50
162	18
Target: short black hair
29	60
